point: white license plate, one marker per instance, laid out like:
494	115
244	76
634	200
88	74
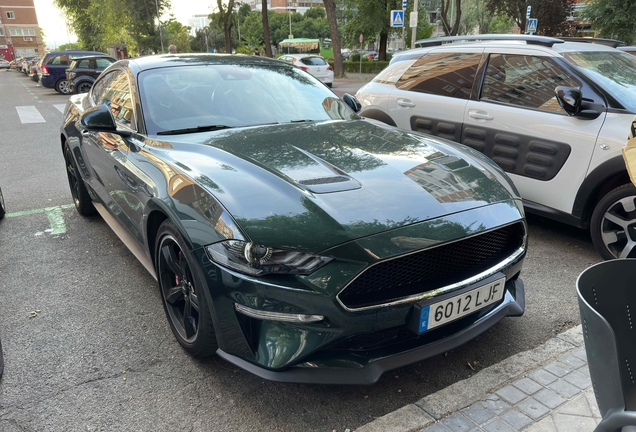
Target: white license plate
456	307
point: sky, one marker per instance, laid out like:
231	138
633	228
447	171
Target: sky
54	26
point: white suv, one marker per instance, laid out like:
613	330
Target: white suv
553	113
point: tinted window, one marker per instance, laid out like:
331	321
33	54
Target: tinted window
313	61
103	63
527	81
114	92
444	74
84	64
62	59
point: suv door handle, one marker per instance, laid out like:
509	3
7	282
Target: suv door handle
479	115
405	103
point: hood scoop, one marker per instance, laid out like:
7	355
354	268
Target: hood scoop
329	184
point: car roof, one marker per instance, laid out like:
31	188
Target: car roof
169	60
93	56
76	52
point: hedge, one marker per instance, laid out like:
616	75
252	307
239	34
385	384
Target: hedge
367	67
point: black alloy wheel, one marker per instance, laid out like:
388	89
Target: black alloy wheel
185	303
613	223
2	207
81	198
84	87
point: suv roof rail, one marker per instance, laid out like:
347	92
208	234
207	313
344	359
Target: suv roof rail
531	40
609	42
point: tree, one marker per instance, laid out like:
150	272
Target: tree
265	21
451	29
372	17
476	17
177	34
330	8
551	14
614	19
224	18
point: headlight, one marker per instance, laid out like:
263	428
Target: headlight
259	260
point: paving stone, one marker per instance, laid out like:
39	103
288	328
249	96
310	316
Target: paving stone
527	386
584	371
572	361
577	406
579	380
549	398
437	427
511	394
569	423
497	426
580	353
564	388
591	400
458	423
477	413
404	419
533	408
496	405
516	419
543	377
558	369
546	424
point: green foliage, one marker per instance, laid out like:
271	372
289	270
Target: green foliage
551	14
374	66
614	19
476	18
68	46
501	24
176	34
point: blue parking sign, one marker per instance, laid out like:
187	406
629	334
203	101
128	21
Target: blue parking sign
397	18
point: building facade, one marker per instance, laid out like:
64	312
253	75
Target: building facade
197	22
19	29
284	6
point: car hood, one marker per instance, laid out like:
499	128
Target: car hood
310	186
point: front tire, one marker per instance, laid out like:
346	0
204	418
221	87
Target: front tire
182	289
83	87
62	86
613	223
81	198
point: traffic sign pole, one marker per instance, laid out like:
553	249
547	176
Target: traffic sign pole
414	30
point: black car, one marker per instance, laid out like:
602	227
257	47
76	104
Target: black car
288	235
83	71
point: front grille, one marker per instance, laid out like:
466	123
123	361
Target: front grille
433	268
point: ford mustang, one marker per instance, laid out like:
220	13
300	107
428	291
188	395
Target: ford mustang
288	235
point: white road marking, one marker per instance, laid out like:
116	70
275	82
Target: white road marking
29	114
60	107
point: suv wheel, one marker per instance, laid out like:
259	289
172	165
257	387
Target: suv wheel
613	224
62	86
84	87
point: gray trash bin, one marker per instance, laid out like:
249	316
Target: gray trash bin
607	302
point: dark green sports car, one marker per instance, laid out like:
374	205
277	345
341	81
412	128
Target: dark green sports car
288	235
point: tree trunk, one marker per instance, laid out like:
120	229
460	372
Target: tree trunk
448	30
266	41
330	8
382	51
228	38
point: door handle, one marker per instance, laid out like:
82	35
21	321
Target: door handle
405	103
479	115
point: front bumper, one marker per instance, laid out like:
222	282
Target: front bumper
513	304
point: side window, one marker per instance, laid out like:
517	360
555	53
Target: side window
524	80
83	64
443	74
59	60
114	92
103	63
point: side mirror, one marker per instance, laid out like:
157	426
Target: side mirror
569	98
100	119
352	102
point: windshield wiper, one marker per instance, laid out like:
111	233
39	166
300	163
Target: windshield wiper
194	129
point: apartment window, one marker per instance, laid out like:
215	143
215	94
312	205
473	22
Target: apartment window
1	31
10	15
22	32
15	32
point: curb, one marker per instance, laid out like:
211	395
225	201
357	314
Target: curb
428	410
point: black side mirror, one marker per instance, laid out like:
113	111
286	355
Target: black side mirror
100	119
352	102
569	98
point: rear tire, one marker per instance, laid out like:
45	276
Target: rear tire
182	286
81	198
613	223
62	86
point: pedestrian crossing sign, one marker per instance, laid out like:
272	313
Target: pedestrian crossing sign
397	18
532	25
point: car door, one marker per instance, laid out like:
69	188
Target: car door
114	174
517	121
431	95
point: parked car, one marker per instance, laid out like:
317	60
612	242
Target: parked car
16	63
631	49
52	69
288	235
27	62
551	113
83	71
4	64
315	65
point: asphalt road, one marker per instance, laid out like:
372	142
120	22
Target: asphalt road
87	345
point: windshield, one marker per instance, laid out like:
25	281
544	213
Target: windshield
194	97
615	71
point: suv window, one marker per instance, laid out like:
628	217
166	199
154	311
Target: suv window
525	80
443	74
114	92
83	64
62	59
313	61
103	63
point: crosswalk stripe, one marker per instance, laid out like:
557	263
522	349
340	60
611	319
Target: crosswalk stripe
60	107
29	114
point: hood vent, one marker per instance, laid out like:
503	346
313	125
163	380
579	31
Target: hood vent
324	180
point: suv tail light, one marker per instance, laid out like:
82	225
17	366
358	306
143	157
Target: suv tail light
45	70
329	68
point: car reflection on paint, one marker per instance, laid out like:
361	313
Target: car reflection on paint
288	235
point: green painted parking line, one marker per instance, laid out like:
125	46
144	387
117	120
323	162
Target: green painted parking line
54	214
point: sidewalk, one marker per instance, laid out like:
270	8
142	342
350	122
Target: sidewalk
546	389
